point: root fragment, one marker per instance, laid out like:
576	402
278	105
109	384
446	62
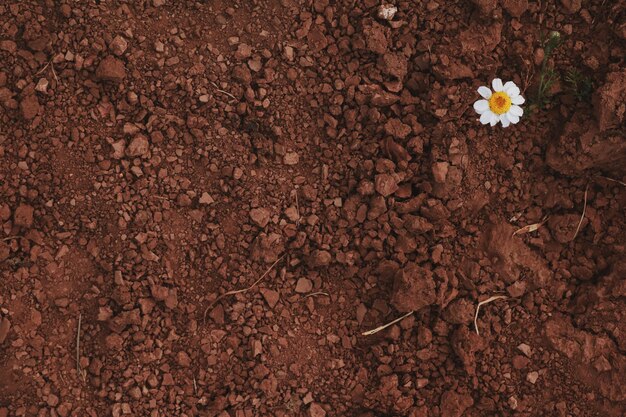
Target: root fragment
384	326
487	301
233	292
530	228
582	216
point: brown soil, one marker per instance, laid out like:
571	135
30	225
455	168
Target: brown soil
158	154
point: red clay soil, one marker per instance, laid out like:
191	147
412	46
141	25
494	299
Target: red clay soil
159	155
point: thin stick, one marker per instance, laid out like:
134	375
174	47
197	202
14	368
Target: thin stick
297	209
317	293
9	238
195	386
44	68
384	326
611	179
80	319
219	90
233	292
582	217
488	300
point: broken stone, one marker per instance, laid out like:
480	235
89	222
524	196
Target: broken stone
111	69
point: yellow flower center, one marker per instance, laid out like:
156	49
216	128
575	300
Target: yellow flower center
499	102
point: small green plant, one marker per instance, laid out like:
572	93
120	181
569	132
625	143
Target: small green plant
580	85
548	76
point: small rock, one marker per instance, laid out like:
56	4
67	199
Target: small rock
139	146
532	377
42	85
206	198
183	359
5	251
316	410
291	158
158	3
114	342
413	288
111	69
118	45
386	184
515	8
271	297
440	171
460	311
397	129
512	402
304	285
23	216
320	258
517	289
525	349
30	107
261	216
5	326
572	6
243	51
454	404
375	38
394	64
387	11
119	148
485	6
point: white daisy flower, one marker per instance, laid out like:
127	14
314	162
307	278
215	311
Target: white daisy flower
502	105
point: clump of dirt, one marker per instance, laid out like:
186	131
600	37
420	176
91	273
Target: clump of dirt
205	205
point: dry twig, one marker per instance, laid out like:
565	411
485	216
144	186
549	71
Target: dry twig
582	216
611	179
384	326
219	90
488	300
78	369
233	292
317	293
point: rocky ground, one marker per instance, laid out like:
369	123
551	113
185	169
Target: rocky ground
158	156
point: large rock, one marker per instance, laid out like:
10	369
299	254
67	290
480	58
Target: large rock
413	288
111	69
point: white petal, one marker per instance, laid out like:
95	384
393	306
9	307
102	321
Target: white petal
505	120
485	92
486	117
481	106
512	90
518	100
494	119
516	110
513	118
508	85
497	84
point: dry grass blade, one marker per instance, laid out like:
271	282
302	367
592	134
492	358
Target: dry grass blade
582	216
317	293
384	326
233	292
80	321
612	180
487	301
530	228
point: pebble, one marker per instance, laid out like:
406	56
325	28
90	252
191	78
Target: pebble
271	297
206	198
30	107
440	171
316	410
532	377
23	216
291	158
387	11
5	326
386	184
111	69
139	146
260	216
118	45
304	285
525	349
